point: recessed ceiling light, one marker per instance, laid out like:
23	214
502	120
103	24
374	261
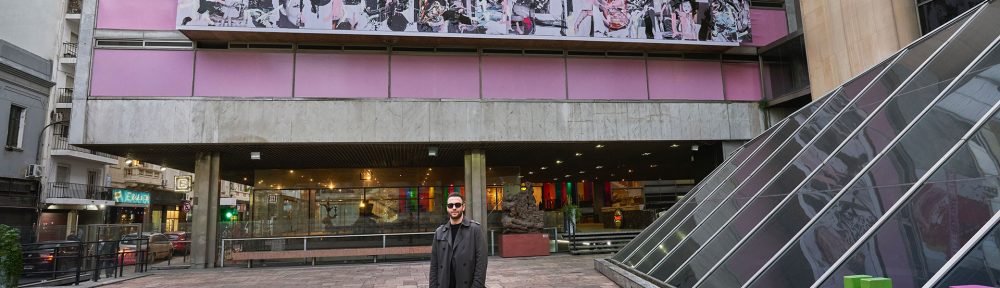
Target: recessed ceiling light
675	145
555	179
543	168
599	146
581	171
598	167
646	154
653	166
578	154
567	176
558	161
531	172
629	170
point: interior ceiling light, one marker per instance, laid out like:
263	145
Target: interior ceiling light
675	145
254	155
598	167
578	154
581	171
531	172
646	154
558	161
543	168
599	146
653	166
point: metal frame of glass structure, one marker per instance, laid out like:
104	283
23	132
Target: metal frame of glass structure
852	173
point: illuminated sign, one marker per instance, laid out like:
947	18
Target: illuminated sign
182	183
703	22
125	196
618	218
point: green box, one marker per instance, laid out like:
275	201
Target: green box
876	282
854	281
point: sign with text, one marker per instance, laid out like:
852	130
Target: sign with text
125	196
182	183
704	22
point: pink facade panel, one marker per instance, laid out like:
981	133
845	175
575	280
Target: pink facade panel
243	74
329	75
434	77
514	77
767	25
606	79
142	73
742	81
685	80
137	15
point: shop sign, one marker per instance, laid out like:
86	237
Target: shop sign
125	196
186	206
272	198
182	183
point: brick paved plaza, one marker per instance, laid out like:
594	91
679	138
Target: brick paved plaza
560	270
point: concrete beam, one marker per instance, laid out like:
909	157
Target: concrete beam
216	121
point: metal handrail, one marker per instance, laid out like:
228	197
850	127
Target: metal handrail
65	95
69	49
62	143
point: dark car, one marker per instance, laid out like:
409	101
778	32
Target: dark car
180	240
49	256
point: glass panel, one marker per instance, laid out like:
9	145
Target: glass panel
937	12
780	135
981	266
816	191
725	196
883	184
738	158
746	191
928	229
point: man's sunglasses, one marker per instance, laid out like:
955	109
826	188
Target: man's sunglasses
454	205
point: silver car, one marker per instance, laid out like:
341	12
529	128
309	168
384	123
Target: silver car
158	246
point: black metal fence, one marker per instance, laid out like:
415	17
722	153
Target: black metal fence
78	191
71	262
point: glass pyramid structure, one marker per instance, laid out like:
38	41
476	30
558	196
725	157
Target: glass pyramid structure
896	174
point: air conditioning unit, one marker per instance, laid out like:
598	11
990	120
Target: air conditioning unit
34	171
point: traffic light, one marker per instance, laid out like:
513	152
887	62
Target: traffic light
228	213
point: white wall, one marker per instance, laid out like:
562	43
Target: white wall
78	169
34	25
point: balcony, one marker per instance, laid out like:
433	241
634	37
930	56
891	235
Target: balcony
69	49
61	147
65	96
74	6
80	194
141	176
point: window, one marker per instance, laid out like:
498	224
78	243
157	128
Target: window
15	127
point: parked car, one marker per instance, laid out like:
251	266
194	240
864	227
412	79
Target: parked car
48	256
155	245
179	239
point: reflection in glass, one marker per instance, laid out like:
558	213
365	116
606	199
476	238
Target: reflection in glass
891	175
981	266
819	188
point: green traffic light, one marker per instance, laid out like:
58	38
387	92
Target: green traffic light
229	214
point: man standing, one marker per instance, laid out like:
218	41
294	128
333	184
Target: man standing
458	256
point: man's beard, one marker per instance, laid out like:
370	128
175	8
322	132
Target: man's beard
455	217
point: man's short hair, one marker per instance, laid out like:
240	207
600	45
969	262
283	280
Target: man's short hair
457	195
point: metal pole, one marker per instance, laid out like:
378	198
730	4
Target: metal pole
222	259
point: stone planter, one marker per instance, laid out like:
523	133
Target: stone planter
524	245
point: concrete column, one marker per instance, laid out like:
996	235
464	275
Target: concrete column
728	147
475	187
205	213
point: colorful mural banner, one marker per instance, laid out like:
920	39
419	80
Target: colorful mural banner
682	21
